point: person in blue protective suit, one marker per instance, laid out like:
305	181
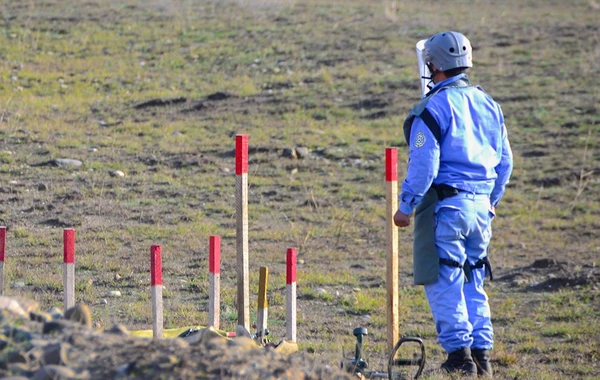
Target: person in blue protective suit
459	165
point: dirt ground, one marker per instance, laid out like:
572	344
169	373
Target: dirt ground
159	89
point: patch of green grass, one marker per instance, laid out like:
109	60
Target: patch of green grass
361	303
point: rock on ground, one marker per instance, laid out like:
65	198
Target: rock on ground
45	349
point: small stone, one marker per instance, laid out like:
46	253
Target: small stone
240	331
3	342
302	152
42	187
27	304
19	334
124	370
289	153
171	360
117	173
320	291
114	293
78	340
40	316
117	276
55	353
35	353
55	312
54	327
103	301
12	305
520	281
53	372
80	313
104	123
18	284
118	329
39	342
67	163
19	368
17	357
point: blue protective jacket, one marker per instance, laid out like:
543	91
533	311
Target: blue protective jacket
473	153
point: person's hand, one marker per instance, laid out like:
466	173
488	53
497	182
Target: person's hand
401	219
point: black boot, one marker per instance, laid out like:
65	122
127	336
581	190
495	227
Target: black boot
460	361
482	360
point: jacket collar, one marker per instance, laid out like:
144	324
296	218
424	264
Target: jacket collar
448	81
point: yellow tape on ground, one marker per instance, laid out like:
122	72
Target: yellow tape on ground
170	333
284	347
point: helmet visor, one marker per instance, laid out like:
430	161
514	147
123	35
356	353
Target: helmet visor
424	72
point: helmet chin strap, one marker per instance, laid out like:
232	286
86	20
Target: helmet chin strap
429	85
430	77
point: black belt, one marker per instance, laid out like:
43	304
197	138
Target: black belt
445	191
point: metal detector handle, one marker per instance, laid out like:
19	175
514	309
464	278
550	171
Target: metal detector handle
359	361
406	362
358	364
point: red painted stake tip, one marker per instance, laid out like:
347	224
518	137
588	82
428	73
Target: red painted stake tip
214	255
291	266
391	164
69	246
2	243
155	265
241	154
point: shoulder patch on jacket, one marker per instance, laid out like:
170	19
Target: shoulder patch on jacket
420	140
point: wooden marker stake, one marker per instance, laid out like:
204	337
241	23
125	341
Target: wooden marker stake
156	283
391	179
69	267
241	197
2	257
290	295
214	292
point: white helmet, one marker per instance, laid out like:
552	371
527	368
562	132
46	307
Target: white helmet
448	50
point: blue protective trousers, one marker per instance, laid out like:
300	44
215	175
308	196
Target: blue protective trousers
463	229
